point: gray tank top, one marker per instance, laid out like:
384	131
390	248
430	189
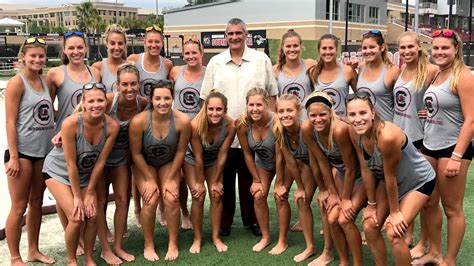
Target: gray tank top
186	94
109	79
301	153
35	121
299	85
338	89
408	101
413	170
69	95
264	150
445	117
120	154
381	95
209	153
86	157
147	78
334	158
158	152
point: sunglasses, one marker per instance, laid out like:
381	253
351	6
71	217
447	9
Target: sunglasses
193	40
445	33
373	33
90	86
35	40
363	95
73	33
153	28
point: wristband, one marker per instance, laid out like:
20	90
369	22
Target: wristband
371	203
457	155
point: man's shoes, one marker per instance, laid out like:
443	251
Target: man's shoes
255	230
225	231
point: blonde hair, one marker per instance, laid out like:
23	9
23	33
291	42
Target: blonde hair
24	48
315	71
421	71
281	54
244	118
278	128
201	118
458	63
378	38
80	106
116	28
331	111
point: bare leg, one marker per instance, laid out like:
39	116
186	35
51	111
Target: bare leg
261	209
216	207
172	210
183	203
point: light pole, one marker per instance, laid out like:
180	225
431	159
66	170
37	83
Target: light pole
116	11
156	9
347	26
406	15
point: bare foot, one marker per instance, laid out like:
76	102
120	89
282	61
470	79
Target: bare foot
79	250
278	249
72	263
124	255
172	253
362	236
296	227
263	243
409	240
90	262
150	254
196	247
324	259
220	246
17	261
419	250
126	234
186	223
321	232
137	217
308	252
428	258
110	258
40	257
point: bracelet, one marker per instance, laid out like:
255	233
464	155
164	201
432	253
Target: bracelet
371	203
457	155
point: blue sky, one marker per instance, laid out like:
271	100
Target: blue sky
147	4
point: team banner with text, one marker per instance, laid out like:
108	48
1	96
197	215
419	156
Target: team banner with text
216	39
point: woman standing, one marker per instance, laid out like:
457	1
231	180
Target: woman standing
291	70
29	128
158	140
116	42
447	142
151	65
409	114
330	76
378	75
72	172
212	134
254	130
187	85
397	178
327	137
291	147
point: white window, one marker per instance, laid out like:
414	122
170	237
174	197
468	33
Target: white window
356	13
374	17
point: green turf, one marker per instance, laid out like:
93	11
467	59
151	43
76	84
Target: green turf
240	242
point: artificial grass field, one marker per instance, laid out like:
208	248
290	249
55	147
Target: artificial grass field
240	241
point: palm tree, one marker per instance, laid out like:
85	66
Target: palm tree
87	16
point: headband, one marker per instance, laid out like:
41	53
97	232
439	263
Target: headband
318	99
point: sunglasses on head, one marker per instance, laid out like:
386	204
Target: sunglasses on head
372	33
193	40
153	28
73	33
445	33
34	40
90	86
363	95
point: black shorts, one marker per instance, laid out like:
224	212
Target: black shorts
428	187
6	157
418	144
46	176
447	152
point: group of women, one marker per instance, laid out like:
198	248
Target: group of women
395	146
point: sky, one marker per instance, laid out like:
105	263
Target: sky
146	4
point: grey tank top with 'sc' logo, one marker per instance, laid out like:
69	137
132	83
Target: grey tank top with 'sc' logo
35	121
186	94
445	117
109	79
86	157
337	89
380	95
301	152
158	152
209	153
148	78
69	95
265	149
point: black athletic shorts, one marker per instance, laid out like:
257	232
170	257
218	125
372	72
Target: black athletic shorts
6	157
447	152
